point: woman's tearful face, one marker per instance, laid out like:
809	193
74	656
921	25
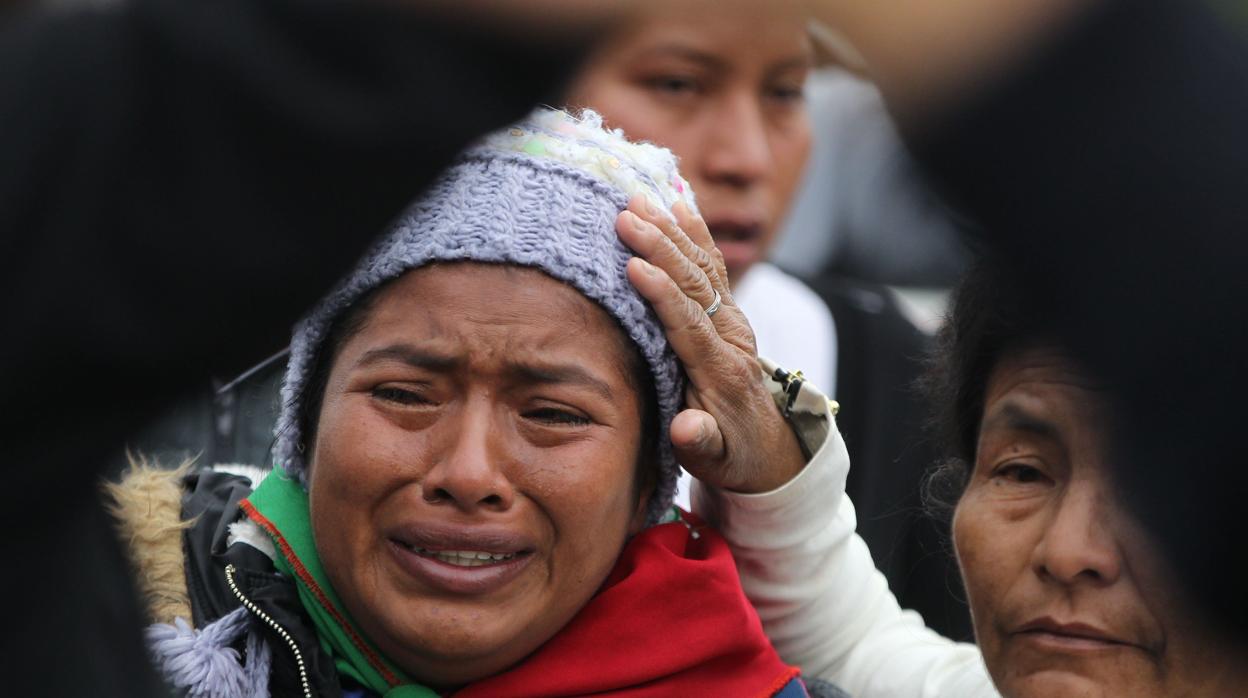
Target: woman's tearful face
474	473
1068	596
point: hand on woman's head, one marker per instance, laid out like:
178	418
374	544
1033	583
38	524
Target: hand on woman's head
732	435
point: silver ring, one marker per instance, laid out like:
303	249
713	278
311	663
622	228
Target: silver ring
710	312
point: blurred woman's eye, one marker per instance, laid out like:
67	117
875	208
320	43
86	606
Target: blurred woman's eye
674	85
786	94
400	396
557	417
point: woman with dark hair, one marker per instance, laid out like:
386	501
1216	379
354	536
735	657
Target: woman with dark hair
1068	594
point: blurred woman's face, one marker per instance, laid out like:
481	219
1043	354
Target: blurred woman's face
473	474
724	91
1067	595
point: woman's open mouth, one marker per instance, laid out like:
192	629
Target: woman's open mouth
462	558
460	561
739	242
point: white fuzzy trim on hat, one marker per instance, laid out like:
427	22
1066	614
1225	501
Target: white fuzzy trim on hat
584	143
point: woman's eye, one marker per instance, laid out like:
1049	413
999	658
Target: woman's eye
674	85
550	415
399	396
786	94
1021	473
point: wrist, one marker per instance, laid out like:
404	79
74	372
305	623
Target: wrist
798	418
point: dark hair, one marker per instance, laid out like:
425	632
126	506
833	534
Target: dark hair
351	321
985	322
341	330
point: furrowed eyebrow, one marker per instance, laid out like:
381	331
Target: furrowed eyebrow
561	374
533	373
412	356
1013	417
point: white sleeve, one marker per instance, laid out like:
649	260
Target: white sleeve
821	600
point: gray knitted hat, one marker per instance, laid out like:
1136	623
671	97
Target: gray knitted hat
544	193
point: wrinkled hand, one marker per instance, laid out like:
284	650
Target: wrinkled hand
731	435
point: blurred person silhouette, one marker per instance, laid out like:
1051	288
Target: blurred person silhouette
726	92
166	165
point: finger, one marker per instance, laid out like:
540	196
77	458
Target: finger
689	331
697	441
695	228
669	227
737	330
652	245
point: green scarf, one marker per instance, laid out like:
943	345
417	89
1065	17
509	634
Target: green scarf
280	506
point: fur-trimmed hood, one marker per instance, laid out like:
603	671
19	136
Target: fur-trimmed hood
182	528
147	505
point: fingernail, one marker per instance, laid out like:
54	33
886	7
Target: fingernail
647	267
701	431
651	208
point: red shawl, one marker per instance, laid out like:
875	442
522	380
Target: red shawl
671	620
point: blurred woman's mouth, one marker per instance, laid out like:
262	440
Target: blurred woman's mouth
740	241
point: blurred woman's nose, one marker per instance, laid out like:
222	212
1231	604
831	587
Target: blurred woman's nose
1079	545
738	152
468	472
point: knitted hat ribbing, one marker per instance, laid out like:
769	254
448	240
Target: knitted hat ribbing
544	193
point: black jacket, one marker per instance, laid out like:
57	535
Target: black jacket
211	501
880	356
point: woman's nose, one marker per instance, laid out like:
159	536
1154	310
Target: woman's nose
468	473
738	153
1079	545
